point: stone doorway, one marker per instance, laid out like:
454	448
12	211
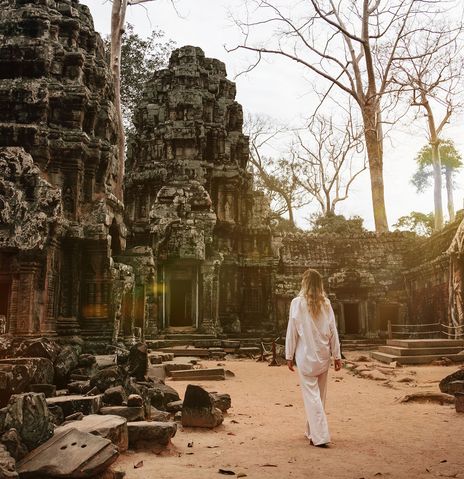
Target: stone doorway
180	296
351	317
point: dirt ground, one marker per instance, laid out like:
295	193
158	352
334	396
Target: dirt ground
373	435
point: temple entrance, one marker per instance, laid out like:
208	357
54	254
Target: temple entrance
181	303
4	300
180	296
351	317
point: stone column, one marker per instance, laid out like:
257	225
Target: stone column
28	315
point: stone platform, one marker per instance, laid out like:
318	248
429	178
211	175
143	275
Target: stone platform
419	351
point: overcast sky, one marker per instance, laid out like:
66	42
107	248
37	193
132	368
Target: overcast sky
282	90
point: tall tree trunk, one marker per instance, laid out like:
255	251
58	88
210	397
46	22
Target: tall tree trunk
118	14
291	217
374	146
449	192
437	199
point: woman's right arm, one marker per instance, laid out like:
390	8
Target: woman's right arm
291	338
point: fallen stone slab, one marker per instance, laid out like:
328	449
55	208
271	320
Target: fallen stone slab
213	374
108	377
105	360
459	402
445	382
187	351
41	348
77	403
71	454
130	413
111	427
176	366
456	387
198	409
29	415
423	397
249	351
150	433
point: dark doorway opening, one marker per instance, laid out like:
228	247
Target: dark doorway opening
351	315
4	300
181	303
387	312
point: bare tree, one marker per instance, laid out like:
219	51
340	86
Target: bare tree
351	44
273	172
327	165
432	72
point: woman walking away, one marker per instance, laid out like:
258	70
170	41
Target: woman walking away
311	338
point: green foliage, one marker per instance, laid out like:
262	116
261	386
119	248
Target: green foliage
420	223
337	224
140	58
451	160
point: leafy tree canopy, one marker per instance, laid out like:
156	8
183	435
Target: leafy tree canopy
337	224
416	222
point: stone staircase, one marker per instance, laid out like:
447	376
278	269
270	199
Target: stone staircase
360	343
420	351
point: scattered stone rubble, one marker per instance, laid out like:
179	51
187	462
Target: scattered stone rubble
86	409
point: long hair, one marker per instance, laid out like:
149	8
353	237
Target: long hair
312	289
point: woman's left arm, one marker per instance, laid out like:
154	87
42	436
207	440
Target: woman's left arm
334	340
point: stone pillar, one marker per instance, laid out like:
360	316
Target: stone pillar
28	315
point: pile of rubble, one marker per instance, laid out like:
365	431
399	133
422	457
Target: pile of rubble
70	414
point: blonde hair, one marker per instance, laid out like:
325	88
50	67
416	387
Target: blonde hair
312	289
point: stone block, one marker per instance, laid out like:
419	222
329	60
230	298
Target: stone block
130	413
150	433
72	454
112	427
199	410
76	403
115	396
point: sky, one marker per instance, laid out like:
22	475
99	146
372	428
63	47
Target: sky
282	90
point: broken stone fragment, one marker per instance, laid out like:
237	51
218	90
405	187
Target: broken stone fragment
75	403
41	348
446	381
174	406
459	402
17	375
49	390
135	400
149	433
86	360
157	415
28	414
14	444
115	396
66	361
79	387
161	395
198	409
137	365
129	413
72	454
7	464
108	377
222	401
111	427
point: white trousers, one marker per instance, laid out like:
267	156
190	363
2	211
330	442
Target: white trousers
314	389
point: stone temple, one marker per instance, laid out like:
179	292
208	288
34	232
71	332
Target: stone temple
189	245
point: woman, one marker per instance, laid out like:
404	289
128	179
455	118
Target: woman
311	338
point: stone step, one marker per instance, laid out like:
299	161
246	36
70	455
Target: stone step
189	337
199	374
203	352
425	343
438	351
427	359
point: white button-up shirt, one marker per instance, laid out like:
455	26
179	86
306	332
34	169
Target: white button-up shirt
311	340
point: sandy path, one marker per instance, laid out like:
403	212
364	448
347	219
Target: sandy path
372	434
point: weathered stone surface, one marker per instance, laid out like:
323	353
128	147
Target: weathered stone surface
66	361
17	375
112	427
7	464
79	387
71	454
161	395
108	377
150	433
130	413
222	401
445	383
135	400
115	396
213	374
56	414
29	415
174	406
157	415
76	403
14	444
198	409
459	402
49	390
87	360
41	348
137	365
